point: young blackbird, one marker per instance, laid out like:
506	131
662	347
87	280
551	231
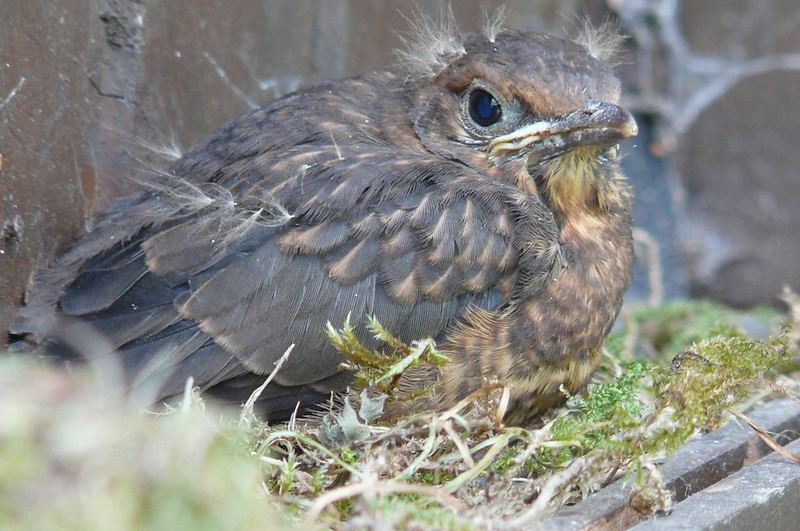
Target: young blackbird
470	195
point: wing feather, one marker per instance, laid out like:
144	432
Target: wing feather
408	237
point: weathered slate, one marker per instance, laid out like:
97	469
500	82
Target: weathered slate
765	495
700	464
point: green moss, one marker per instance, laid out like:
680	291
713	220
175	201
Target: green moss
666	330
435	477
415	512
713	376
380	369
344	507
76	456
507	459
616	399
691	395
348	455
596	417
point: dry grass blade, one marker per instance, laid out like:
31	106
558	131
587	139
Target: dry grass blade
379	487
502	407
767	438
431	445
470	398
460	445
250	404
551	488
500	443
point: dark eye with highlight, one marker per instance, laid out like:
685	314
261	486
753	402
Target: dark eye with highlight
484	109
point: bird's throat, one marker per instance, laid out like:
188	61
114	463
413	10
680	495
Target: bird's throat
571	181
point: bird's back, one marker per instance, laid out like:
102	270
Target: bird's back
474	199
289	217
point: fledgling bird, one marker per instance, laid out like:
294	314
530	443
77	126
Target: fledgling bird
470	195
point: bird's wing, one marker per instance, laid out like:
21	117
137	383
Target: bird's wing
408	238
411	239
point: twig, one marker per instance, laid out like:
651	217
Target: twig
655	275
462	448
767	438
250	404
677	361
536	440
693	82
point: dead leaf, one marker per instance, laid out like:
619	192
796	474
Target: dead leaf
767	438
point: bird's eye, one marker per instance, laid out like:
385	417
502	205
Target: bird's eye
484	109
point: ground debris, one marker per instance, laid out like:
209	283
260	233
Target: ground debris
357	467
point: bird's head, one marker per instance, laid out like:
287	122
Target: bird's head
540	111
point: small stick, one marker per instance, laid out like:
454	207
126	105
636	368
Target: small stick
462	448
470	398
553	485
248	406
767	438
654	273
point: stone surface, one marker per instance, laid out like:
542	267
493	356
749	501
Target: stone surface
739	165
732	84
761	496
738	29
700	464
47	176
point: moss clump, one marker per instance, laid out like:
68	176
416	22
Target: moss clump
658	333
75	455
380	369
711	377
596	418
649	409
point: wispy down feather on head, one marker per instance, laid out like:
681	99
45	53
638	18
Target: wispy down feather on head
431	43
494	23
603	41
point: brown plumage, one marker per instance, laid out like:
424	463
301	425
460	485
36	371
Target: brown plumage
471	196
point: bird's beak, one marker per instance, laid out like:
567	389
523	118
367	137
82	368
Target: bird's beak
597	124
